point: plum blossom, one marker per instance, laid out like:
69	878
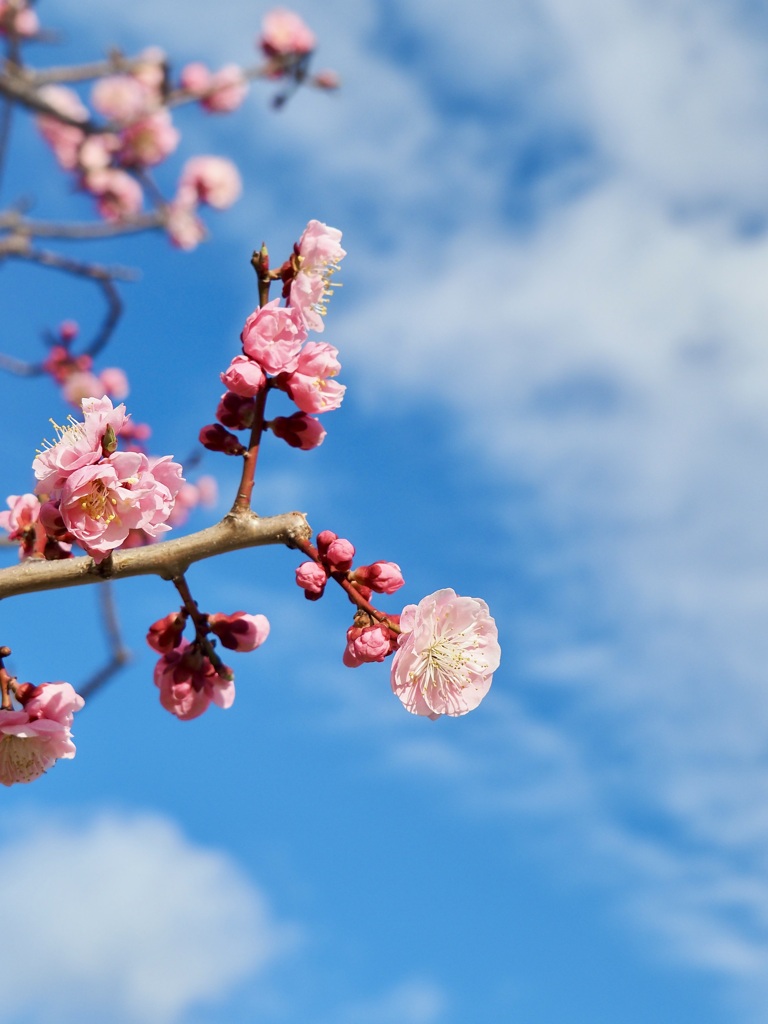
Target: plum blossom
188	682
244	377
149	141
33	739
122	98
165	635
23	524
318	255
240	631
18	19
100	504
273	336
284	34
209	179
373	642
447	653
383	577
312	579
235	411
77	444
310	386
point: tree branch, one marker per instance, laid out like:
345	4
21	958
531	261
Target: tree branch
167	559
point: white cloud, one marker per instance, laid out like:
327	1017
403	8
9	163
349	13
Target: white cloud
413	1002
126	920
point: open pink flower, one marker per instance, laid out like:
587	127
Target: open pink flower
118	194
77	444
188	682
32	740
284	34
273	336
447	654
209	179
100	504
122	98
149	141
319	253
64	139
185	229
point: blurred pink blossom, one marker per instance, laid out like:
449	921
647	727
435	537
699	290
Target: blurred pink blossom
23	524
122	98
64	139
149	141
284	34
184	227
118	194
209	179
447	654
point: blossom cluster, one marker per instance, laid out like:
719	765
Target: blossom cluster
35	736
91	493
276	353
189	675
112	142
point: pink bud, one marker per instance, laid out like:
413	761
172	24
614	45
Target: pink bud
216	439
340	554
239	631
312	578
383	577
165	635
367	643
244	376
299	430
235	411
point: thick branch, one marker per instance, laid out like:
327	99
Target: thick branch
167	559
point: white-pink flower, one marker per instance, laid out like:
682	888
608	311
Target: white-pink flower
447	654
284	34
273	336
319	254
209	179
23	524
33	739
220	92
122	98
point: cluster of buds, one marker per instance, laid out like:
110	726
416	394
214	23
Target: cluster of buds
276	352
112	142
190	675
35	726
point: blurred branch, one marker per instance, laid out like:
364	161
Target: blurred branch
120	655
167	559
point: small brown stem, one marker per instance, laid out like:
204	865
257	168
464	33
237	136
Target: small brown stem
245	490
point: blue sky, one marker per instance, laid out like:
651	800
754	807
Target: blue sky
553	331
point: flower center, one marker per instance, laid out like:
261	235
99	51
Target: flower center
98	504
449	663
21	760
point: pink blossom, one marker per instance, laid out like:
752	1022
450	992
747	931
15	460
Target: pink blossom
188	682
23	524
314	394
312	578
326	79
122	98
64	139
96	151
447	654
203	492
367	643
118	194
273	336
114	381
77	444
209	179
319	253
101	503
33	739
149	141
82	384
299	430
383	577
17	19
184	227
284	34
240	631
244	377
